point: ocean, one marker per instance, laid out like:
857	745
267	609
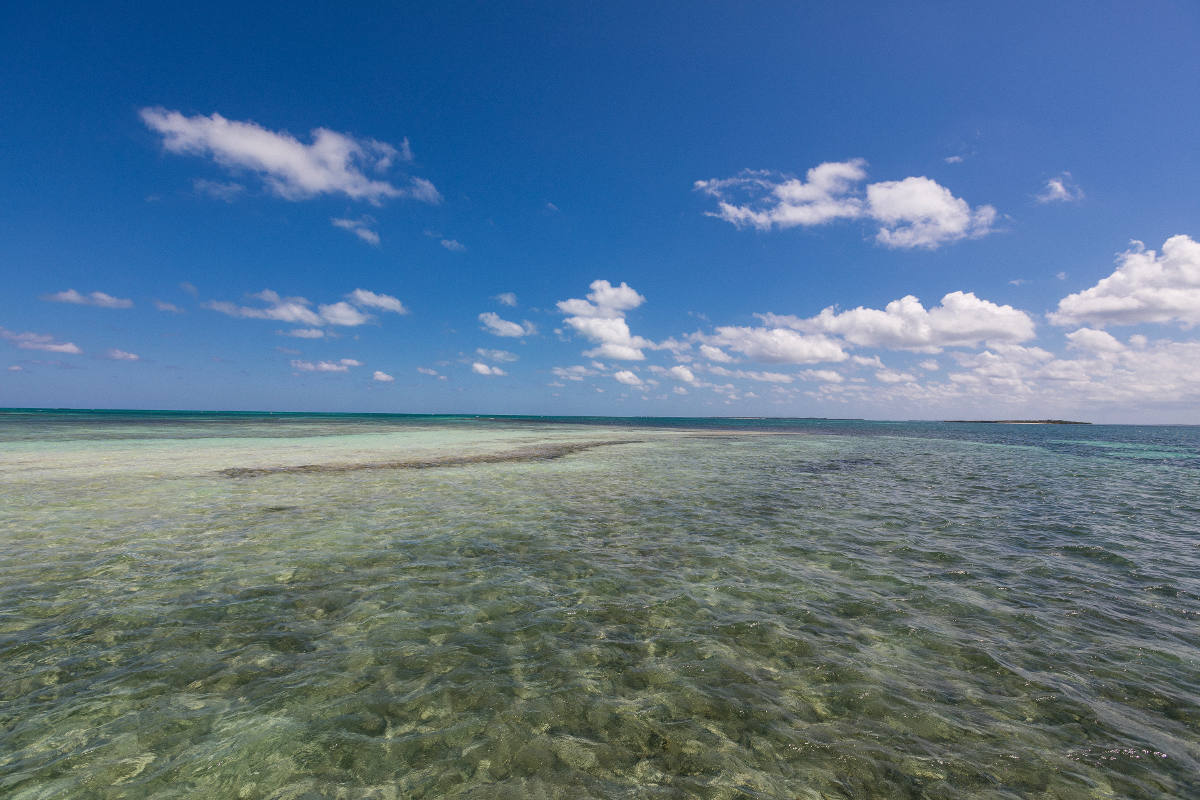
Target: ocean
219	605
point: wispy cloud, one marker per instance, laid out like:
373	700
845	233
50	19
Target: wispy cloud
294	309
360	227
913	212
170	308
454	246
506	299
39	341
496	355
494	324
342	365
1060	189
226	191
384	302
333	163
121	355
98	299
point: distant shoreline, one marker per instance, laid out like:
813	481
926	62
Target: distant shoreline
1020	421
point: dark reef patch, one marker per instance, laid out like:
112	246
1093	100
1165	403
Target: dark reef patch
546	452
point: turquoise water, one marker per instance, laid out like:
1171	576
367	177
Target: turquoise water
309	606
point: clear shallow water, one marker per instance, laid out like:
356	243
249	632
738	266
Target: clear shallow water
757	608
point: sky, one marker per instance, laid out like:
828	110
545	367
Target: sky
942	210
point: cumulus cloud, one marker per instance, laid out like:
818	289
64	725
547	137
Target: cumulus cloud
39	341
454	246
715	354
601	319
777	345
342	365
480	368
382	377
961	319
98	299
360	227
919	212
682	373
1145	287
333	163
628	378
494	324
913	212
384	302
427	371
496	355
506	299
1061	189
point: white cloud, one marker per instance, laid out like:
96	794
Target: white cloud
715	354
98	299
893	376
454	246
334	163
497	326
601	319
962	319
754	375
823	375
496	355
1093	341
506	299
1061	189
682	373
382	377
777	345
360	227
914	212
483	369
576	373
39	341
1145	287
628	378
427	371
953	159
292	309
929	365
121	355
919	212
16	368
342	365
162	305
342	313
305	333
385	302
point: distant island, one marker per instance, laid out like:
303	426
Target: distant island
1021	421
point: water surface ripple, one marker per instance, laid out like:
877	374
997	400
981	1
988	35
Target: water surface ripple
850	610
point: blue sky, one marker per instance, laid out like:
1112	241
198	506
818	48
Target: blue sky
689	209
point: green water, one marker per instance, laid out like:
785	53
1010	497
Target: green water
683	609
